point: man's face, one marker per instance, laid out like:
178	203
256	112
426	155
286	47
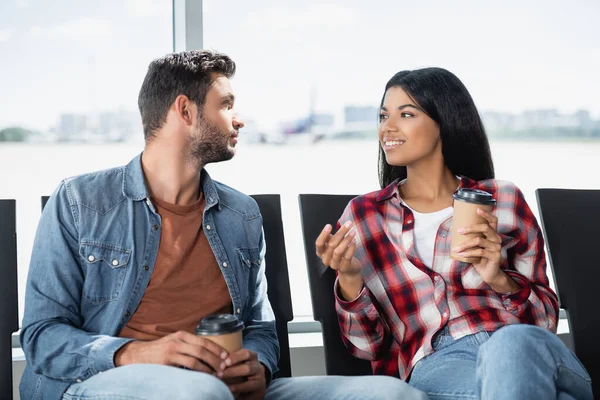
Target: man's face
215	136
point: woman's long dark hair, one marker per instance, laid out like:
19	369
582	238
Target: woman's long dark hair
445	99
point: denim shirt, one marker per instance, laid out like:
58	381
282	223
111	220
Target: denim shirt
93	255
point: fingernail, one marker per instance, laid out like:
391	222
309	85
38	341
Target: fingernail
348	224
327	228
456	249
220	374
461	230
222	366
228	361
352	233
223	355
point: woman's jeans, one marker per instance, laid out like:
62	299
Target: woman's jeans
515	362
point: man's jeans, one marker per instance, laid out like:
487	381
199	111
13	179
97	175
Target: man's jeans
159	382
515	362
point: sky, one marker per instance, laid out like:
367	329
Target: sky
87	56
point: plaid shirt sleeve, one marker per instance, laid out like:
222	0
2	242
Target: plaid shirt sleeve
363	330
535	303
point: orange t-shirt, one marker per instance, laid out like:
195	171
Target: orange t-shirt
186	284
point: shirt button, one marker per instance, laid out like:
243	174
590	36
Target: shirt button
237	311
208	227
436	278
445	315
115	262
91	258
443	235
146	268
127	314
78	380
409	221
225	265
155	227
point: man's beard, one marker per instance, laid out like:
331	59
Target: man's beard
209	144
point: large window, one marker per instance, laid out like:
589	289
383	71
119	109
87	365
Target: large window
310	76
315	69
70	74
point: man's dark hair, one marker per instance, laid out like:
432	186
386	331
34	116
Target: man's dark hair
187	73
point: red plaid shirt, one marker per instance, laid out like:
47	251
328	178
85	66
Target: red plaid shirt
404	303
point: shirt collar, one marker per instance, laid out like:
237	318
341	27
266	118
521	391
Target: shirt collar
134	183
390	191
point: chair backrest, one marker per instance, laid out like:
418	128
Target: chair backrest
9	303
44	201
570	220
277	275
276	272
317	210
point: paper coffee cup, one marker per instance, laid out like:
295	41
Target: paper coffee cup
466	203
223	329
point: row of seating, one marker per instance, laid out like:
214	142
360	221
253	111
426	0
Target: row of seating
9	311
570	221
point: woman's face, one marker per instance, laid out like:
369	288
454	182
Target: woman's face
406	134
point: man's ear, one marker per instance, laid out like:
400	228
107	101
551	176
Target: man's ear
186	109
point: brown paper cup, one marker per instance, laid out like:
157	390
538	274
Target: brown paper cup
466	203
231	342
465	214
226	331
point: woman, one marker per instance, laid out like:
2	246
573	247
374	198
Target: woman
452	329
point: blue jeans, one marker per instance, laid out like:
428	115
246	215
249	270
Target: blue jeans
149	382
515	362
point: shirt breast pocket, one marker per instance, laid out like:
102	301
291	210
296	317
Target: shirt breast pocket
105	268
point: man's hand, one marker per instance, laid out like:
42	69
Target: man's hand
244	364
181	349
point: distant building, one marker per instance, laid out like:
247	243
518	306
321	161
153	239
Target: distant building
108	126
71	126
119	125
495	121
584	119
540	123
325	120
354	114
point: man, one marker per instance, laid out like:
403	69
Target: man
127	261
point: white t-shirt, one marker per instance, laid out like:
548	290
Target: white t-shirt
425	231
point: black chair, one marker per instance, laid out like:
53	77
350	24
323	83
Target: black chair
276	272
316	210
277	275
9	306
570	221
